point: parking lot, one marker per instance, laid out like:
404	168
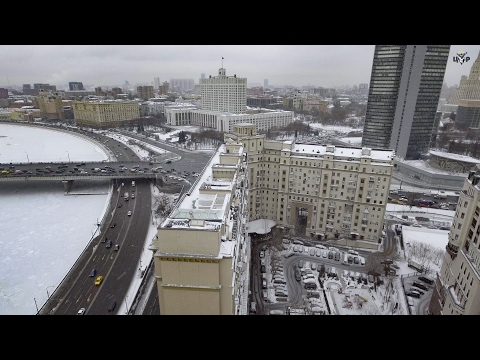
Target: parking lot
298	274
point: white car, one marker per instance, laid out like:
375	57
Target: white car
81	311
129	213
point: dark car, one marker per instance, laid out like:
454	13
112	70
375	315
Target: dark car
104	239
113	225
263	269
109	244
426	280
420	285
112	306
119	205
93	273
413	294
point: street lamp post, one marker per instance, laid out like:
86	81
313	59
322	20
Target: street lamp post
48	295
68	156
28	160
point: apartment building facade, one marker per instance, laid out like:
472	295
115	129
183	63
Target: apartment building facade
325	192
457	285
105	114
201	253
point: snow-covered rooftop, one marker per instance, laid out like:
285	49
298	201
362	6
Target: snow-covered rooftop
338	151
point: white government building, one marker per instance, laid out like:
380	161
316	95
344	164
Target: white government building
224	104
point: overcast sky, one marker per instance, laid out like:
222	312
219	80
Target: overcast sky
112	65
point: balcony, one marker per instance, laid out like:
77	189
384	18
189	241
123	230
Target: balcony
451	250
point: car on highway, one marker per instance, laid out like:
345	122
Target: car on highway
129	211
109	244
112	306
93	273
81	311
113	225
104	239
99	280
119	205
117	247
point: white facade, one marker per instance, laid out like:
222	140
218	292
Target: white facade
224	93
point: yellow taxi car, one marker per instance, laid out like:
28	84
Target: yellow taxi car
99	280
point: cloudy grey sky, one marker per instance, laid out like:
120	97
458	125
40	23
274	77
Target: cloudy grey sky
112	65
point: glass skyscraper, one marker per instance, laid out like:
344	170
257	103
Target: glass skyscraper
405	87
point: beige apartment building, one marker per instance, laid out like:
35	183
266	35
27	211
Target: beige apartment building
324	192
201	255
457	286
105	114
202	250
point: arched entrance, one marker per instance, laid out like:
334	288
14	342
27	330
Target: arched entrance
301	221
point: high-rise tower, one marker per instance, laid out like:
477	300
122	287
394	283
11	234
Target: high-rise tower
405	87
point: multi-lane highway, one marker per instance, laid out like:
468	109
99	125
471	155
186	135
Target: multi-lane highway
118	267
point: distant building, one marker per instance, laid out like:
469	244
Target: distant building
182	85
75	85
3	93
27	88
405	87
163	89
145	92
156	83
468	112
105	114
50	105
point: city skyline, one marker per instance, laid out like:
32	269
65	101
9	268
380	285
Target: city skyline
281	65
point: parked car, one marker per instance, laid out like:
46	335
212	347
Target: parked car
420	285
413	294
426	279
